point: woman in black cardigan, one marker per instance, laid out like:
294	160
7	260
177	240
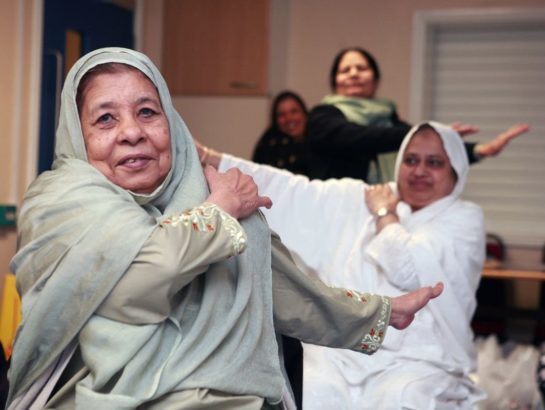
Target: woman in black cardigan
351	128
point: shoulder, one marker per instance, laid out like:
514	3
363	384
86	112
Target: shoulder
325	109
325	116
461	219
270	134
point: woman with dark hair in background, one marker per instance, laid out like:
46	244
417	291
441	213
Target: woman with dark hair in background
281	145
350	128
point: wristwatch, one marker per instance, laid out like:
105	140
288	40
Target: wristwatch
383	211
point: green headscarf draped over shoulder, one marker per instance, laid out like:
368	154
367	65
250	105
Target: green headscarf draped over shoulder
375	112
79	233
363	111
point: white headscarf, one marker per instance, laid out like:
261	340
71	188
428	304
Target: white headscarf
454	147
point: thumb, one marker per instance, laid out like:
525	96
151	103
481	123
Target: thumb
265	201
437	289
210	172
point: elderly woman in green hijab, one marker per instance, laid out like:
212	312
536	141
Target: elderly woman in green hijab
148	284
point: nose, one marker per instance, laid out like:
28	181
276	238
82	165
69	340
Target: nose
353	71
420	168
131	131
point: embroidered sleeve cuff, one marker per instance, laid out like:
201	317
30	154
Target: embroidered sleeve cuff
208	218
371	341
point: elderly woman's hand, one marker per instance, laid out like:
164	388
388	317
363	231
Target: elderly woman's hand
234	192
404	307
207	156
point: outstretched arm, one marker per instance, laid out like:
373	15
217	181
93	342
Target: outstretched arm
307	309
496	145
404	307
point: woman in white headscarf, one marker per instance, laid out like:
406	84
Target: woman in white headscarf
389	238
148	284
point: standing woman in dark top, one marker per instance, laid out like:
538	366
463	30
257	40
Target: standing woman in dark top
281	145
350	128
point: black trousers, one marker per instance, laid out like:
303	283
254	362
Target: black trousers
293	362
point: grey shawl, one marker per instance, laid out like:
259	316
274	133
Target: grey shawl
79	233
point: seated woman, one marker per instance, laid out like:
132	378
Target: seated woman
141	287
389	238
353	133
282	144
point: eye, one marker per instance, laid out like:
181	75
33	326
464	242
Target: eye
410	161
435	163
105	118
147	112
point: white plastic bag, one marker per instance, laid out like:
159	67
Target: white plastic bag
508	375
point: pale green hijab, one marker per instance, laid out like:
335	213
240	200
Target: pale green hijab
185	168
79	233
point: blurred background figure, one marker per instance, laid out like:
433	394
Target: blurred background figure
352	133
282	144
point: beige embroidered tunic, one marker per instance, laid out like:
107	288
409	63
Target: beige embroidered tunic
303	307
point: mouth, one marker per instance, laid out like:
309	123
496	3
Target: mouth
420	185
292	126
134	161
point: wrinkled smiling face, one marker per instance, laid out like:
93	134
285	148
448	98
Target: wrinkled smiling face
291	118
125	130
355	78
425	174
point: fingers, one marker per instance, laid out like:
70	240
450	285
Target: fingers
437	289
379	188
209	171
515	131
464	129
496	146
234	192
264	201
404	307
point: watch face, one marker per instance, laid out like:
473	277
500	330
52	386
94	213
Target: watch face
382	212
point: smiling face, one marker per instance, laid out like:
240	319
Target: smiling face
355	77
291	118
425	173
125	130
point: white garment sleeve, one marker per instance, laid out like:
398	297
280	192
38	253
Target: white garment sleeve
310	216
391	249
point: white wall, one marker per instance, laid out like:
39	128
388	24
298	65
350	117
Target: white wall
305	36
